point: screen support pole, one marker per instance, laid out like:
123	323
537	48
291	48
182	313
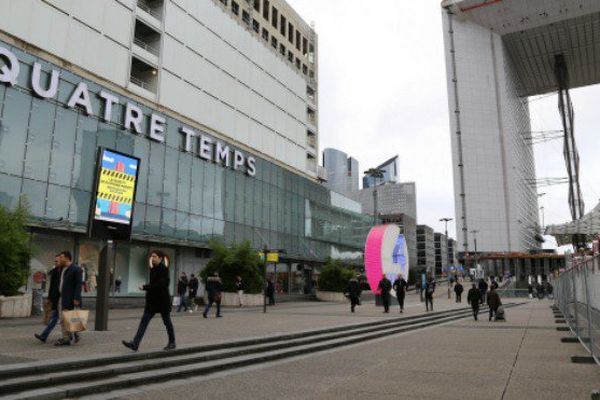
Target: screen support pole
106	265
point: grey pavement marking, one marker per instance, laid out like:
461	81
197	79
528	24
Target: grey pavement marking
512	368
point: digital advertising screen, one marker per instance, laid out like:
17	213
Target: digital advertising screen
111	210
116	187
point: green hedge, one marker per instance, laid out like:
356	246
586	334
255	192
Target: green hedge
335	276
232	261
15	249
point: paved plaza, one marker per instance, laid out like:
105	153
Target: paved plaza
522	358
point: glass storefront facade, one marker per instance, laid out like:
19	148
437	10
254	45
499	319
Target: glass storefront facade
48	151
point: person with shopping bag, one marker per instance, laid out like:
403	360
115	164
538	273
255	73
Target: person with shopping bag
158	300
70	296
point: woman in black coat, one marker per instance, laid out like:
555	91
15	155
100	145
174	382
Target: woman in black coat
158	300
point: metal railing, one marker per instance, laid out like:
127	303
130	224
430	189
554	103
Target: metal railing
577	295
149	48
145	7
150	86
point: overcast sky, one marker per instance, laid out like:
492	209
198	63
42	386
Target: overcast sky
382	84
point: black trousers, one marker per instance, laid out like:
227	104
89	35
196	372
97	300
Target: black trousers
146	318
475	308
429	301
354	300
385	298
493	312
401	300
458	299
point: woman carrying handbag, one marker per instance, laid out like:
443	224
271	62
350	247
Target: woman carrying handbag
158	300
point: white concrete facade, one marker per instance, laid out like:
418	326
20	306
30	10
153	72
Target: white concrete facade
493	162
209	68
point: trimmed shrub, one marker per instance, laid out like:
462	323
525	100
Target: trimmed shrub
237	260
15	249
335	276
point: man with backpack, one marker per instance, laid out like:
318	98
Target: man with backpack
474	299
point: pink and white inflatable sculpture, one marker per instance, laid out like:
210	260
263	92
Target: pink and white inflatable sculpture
385	253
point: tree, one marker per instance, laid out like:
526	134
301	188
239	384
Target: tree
335	276
236	260
15	249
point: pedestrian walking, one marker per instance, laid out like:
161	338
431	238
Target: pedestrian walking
182	286
52	300
483	287
474	299
353	292
458	289
118	283
70	294
158	300
271	291
539	290
214	289
400	287
93	281
384	287
193	292
530	290
239	288
493	301
429	290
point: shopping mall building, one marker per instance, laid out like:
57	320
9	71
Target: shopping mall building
217	98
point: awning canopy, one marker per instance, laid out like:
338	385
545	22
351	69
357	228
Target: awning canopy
588	225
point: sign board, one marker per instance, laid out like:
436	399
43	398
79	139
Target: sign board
113	200
272	257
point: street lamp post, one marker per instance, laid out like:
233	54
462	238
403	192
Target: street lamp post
475	232
375	173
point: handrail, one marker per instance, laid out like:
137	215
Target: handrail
144	85
142	5
151	49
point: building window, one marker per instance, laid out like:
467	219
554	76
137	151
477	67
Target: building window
304	69
290	56
274	17
291	32
257	5
246	17
282	25
255	26
266	9
298	42
224	2
235	7
304	46
274	42
265	34
298	63
282	49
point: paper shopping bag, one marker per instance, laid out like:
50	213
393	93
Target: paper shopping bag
75	320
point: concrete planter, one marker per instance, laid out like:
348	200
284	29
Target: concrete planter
15	306
333	297
231	299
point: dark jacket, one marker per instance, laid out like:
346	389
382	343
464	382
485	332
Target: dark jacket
353	288
483	286
493	299
385	286
182	285
430	288
158	298
270	288
213	287
71	287
474	297
193	286
458	289
400	286
53	289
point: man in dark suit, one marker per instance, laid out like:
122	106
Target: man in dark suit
70	293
